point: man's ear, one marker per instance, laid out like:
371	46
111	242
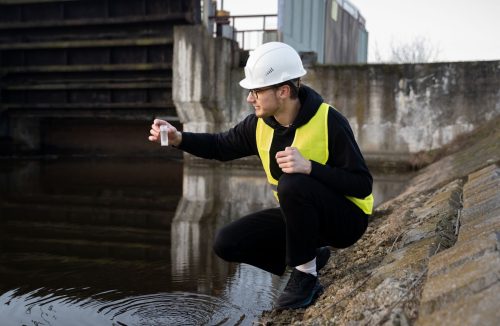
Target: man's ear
285	91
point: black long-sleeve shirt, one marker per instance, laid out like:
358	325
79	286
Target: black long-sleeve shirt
345	171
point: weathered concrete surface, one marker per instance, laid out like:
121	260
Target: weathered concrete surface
411	108
202	79
471	273
430	256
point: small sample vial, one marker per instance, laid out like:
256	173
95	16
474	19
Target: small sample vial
164	135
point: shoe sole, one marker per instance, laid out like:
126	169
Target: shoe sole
317	291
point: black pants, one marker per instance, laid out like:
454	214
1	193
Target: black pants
310	216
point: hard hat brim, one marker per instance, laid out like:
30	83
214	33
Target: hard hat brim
247	83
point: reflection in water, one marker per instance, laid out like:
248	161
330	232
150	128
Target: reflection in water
128	243
214	195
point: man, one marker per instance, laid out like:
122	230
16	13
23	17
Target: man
313	165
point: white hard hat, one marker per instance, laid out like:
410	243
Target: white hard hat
272	63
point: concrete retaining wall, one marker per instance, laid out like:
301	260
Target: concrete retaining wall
394	110
410	108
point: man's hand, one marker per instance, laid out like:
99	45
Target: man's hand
174	136
291	161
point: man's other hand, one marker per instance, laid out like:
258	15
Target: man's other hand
291	161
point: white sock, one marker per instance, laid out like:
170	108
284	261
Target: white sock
309	267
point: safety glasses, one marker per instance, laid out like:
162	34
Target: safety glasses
255	92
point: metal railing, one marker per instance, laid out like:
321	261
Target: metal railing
247	37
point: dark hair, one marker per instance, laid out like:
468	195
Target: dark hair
294	85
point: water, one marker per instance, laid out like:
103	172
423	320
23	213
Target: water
110	242
100	243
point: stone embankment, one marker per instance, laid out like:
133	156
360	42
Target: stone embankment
430	256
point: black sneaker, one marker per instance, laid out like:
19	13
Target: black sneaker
302	289
322	256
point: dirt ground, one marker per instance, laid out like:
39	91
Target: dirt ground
345	275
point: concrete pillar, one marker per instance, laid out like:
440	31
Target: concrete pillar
202	78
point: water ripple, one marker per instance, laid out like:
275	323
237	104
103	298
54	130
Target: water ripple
177	308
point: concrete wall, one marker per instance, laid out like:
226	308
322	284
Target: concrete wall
399	109
394	110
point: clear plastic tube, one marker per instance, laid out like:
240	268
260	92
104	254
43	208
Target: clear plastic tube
164	135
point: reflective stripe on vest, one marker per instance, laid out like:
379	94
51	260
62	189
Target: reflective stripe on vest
311	140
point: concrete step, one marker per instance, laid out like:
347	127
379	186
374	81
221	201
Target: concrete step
461	277
65	14
108	21
90	68
95	43
465	280
478	309
82	29
84	85
64	79
86	105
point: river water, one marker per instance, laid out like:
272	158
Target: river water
128	242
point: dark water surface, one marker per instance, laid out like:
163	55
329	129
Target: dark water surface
107	242
99	243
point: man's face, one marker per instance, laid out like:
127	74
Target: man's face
264	100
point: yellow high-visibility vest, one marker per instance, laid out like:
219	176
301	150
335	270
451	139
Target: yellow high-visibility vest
311	140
